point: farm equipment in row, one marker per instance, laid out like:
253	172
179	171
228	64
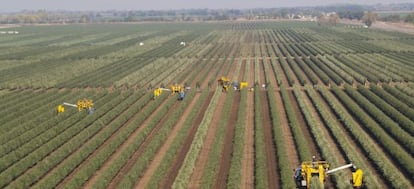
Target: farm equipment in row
174	89
82	104
226	83
310	169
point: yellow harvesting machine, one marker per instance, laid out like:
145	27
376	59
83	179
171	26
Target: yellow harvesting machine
226	83
310	169
82	104
174	89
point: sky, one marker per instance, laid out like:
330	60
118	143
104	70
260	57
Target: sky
82	5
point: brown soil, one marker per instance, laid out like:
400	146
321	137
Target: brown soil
304	127
287	133
224	167
88	159
152	167
247	174
225	162
285	81
172	172
348	137
120	149
127	167
390	26
328	137
271	164
272	78
196	177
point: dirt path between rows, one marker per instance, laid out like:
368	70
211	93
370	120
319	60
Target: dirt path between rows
196	177
352	142
277	66
120	149
166	145
247	174
304	127
107	141
127	167
333	147
224	166
172	172
271	74
287	133
300	118
271	162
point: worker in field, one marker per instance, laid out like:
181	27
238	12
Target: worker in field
298	175
357	177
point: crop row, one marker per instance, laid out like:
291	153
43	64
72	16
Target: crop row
345	143
283	159
368	125
30	153
178	141
373	151
319	135
71	149
184	174
300	141
395	111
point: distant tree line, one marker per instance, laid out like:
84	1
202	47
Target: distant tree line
409	18
325	15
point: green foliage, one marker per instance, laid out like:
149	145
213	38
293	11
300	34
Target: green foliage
369	18
374	153
389	126
168	159
211	168
185	172
302	145
381	102
234	178
260	175
379	135
334	126
285	170
43	66
409	18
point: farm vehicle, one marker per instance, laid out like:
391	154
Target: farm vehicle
82	104
174	89
226	83
305	174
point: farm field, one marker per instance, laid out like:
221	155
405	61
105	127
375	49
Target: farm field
340	93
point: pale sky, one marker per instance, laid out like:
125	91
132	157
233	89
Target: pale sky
17	5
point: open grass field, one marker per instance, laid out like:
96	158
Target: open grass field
340	93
